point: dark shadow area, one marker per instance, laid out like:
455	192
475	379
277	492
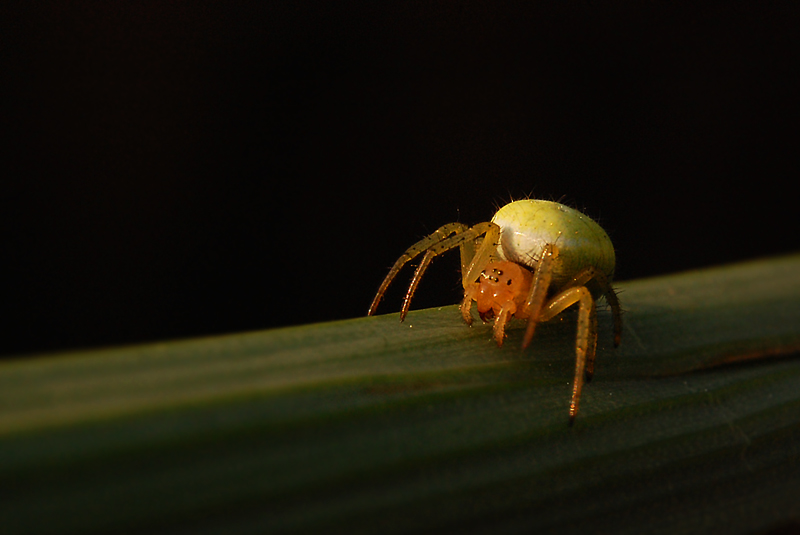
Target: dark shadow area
174	170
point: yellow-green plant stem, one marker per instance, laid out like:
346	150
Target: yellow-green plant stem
373	426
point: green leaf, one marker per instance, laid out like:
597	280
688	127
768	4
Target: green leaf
373	426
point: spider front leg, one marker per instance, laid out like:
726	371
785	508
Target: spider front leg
445	238
412	252
585	340
466	241
538	292
499	328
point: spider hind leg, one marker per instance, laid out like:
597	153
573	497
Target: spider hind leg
585	338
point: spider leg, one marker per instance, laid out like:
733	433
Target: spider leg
592	348
466	304
472	266
412	288
484	253
500	322
585	340
465	238
538	292
412	252
592	274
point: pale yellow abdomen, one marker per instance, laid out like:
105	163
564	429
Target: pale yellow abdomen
528	225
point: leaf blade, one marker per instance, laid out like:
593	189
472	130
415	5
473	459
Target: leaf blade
370	424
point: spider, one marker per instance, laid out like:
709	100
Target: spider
532	261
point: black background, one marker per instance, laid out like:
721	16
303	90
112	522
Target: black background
175	169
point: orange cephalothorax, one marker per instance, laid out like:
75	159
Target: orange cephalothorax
500	283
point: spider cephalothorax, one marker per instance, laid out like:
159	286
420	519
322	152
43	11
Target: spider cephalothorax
501	285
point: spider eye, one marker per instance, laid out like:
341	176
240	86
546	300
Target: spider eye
508	282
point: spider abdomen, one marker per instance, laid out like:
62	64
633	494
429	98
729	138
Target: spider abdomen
527	226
